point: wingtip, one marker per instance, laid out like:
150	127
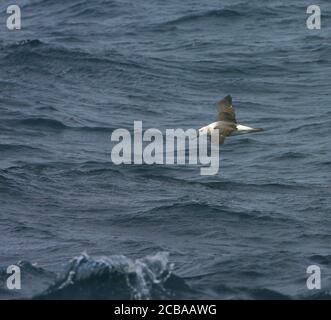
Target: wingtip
227	100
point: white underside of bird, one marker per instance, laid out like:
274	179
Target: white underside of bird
241	129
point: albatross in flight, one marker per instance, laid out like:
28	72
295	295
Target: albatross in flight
227	123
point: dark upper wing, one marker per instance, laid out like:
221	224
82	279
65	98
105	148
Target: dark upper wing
225	110
224	129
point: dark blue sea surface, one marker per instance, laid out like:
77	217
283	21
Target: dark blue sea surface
82	227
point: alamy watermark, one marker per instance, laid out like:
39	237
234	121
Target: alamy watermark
175	147
314	280
14	20
14	279
312	22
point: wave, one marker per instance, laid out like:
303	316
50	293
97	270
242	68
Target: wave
31	49
76	7
266	294
113	277
321	259
78	167
161	173
230	185
226	13
42	122
48	123
19	147
288	156
316	127
185	211
241	10
32	43
35	280
325	163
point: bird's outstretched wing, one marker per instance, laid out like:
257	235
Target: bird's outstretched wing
225	110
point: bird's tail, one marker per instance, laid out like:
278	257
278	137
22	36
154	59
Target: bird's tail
257	130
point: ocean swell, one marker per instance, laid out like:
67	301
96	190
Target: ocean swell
113	277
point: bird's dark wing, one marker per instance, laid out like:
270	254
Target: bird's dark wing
225	110
225	128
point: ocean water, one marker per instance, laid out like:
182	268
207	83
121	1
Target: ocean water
81	227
